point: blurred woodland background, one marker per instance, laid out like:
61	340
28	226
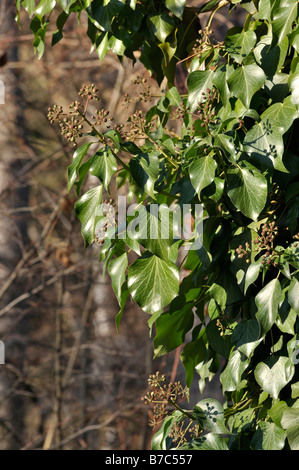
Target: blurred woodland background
70	381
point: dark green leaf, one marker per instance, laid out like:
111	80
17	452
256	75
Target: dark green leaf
246	336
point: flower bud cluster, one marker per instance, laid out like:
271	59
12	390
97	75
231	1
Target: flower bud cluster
90	91
163	396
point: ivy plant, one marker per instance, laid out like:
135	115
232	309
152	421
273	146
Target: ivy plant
235	155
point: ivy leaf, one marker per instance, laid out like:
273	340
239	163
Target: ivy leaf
176	7
117	272
66	4
101	13
264	144
44	7
153	282
246	336
226	143
239	45
210	441
156	229
73	168
245	81
103	165
289	422
252	274
161	25
282	115
198	82
247	189
267	301
274	373
202	172
220	344
173	325
161	440
283	19
86	209
293	294
231	376
268	436
145	171
192	354
210	415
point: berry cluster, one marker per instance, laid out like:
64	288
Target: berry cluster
265	243
145	95
71	128
244	252
163	396
139	127
90	91
102	117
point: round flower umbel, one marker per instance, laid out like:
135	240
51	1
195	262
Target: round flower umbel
90	91
71	128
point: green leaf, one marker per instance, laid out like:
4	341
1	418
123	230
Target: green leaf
44	7
282	115
267	301
283	19
210	415
102	45
161	440
291	255
247	189
274	373
86	209
192	354
227	144
210	441
117	271
73	168
232	374
202	172
268	436
161	25
293	295
145	171
264	144
252	274
176	7
245	81
246	336
101	13
289	422
66	4
103	165
239	45
198	82
153	283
